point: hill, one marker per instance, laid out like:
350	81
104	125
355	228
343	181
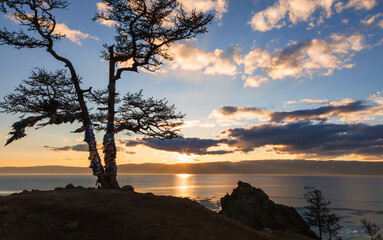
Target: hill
243	167
78	213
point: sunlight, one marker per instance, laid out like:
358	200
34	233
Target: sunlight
184	158
183	184
183	176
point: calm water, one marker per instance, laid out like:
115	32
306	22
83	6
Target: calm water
353	197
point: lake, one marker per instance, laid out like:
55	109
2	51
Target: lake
352	197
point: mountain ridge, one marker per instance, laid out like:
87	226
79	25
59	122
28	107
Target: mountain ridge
308	167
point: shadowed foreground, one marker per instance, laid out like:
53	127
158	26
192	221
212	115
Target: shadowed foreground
78	213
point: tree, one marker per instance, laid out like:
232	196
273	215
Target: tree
144	32
371	229
49	94
318	214
143	38
332	226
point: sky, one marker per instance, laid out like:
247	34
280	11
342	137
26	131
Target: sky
285	79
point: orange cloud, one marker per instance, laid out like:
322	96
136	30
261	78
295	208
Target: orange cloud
295	10
219	6
102	7
306	58
190	58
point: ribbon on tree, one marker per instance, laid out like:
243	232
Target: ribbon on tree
58	119
110	151
95	161
19	127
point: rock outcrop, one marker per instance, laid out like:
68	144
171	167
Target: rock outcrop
251	206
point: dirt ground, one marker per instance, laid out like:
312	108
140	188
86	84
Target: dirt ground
115	214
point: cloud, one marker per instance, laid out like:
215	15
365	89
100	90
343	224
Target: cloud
197	123
298	60
182	145
308	101
320	114
291	102
60	29
73	35
295	132
307	58
296	11
314	101
234	112
357	4
375	19
77	148
190	58
346	110
304	139
255	81
219	6
102	7
257	58
310	140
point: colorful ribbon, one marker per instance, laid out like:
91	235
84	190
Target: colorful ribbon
95	161
19	128
110	151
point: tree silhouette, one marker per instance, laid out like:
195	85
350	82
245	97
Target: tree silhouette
49	94
318	214
372	229
144	32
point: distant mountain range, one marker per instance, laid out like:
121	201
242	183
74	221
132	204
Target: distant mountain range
244	167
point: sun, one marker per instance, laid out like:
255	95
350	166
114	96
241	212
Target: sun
184	158
183	175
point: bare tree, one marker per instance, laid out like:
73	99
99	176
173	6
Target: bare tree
371	229
318	214
142	38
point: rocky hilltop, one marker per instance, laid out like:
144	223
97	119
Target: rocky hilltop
251	206
79	213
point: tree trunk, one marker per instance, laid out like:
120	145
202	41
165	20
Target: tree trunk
110	157
110	150
94	157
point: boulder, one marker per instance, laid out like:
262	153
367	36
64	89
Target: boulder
251	206
127	188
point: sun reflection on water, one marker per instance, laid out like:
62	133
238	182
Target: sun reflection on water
183	185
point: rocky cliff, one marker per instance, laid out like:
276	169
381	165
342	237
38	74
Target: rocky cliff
251	206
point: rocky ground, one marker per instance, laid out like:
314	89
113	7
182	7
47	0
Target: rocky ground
78	213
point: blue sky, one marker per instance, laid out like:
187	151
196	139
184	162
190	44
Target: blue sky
270	80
